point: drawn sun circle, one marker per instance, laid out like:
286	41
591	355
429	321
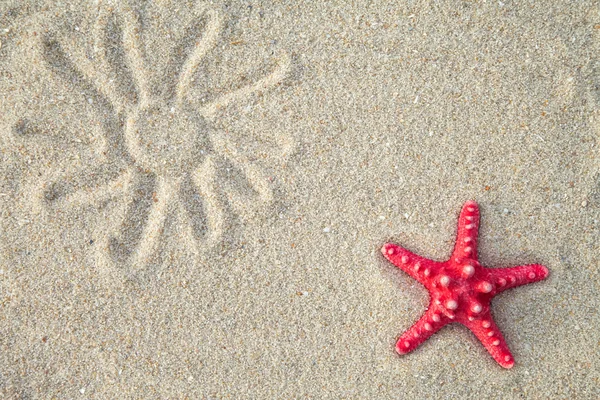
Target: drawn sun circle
166	139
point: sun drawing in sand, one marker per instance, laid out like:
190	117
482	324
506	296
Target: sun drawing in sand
164	156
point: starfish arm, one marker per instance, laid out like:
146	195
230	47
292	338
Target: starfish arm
419	268
431	322
490	336
467	231
508	278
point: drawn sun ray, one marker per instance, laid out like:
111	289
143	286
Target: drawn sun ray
208	41
59	63
166	149
79	191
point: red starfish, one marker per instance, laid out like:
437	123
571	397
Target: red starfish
461	289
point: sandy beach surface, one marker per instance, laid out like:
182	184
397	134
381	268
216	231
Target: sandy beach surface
193	195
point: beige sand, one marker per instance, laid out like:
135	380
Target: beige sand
193	196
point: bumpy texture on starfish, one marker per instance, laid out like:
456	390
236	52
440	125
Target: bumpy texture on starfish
461	289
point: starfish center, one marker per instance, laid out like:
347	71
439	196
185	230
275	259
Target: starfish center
462	289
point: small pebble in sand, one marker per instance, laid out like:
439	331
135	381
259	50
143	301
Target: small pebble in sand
327	229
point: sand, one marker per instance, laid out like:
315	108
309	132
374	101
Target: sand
193	195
